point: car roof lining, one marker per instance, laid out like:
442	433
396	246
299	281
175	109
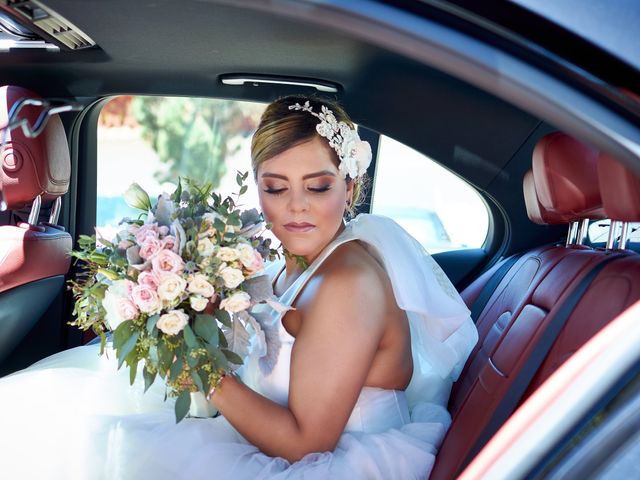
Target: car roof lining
445	118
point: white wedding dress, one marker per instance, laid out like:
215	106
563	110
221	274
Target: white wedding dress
72	416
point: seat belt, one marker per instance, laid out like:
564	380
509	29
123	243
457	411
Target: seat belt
522	380
490	286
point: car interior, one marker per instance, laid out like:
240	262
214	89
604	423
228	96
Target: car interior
537	288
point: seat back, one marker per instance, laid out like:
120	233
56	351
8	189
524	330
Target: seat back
34	256
527	297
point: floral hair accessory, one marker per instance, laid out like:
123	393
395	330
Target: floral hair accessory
354	154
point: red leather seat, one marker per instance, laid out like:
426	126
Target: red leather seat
527	297
616	287
33	257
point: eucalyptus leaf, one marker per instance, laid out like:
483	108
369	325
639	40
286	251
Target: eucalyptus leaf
183	403
190	338
232	356
133	370
176	368
148	378
127	348
122	333
103	342
153	355
223	317
151	322
219	359
178	192
205	326
165	356
222	340
197	380
204	379
192	360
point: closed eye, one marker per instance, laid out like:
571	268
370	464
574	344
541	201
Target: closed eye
274	191
320	189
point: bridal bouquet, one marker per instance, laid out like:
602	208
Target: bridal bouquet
175	287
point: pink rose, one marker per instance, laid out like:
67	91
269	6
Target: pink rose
163	230
167	261
150	247
257	265
129	285
146	231
146	299
127	309
149	279
170	243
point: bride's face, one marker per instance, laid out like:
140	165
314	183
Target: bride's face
304	197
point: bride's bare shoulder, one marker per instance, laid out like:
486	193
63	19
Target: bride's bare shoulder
351	274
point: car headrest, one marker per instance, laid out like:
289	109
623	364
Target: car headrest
620	190
536	212
565	174
32	166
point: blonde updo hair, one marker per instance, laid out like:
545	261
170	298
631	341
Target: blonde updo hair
281	129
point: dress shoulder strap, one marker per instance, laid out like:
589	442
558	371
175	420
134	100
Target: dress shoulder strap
290	295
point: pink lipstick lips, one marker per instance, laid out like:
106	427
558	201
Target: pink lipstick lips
295	227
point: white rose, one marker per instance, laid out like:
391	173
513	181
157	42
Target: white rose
236	303
232	277
245	254
200	285
198	303
171	287
173	322
205	247
227	254
205	262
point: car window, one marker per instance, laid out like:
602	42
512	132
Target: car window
155	140
598	233
438	208
607	443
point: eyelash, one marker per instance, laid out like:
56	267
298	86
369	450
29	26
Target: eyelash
280	191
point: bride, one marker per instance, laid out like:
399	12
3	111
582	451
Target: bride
359	370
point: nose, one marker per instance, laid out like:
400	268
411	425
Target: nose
298	201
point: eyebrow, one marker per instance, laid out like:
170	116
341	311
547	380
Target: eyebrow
322	173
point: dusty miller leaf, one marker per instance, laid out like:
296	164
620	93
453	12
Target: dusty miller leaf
237	338
259	288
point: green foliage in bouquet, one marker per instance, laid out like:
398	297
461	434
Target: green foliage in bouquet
176	286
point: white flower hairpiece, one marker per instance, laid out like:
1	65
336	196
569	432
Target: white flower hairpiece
354	154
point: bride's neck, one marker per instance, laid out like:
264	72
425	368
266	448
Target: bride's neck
295	265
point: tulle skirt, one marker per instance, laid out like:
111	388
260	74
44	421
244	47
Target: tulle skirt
70	416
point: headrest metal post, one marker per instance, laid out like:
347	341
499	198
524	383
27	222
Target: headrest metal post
35	211
55	211
571	234
582	231
624	235
611	240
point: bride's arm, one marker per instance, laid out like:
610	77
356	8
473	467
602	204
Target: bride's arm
332	355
